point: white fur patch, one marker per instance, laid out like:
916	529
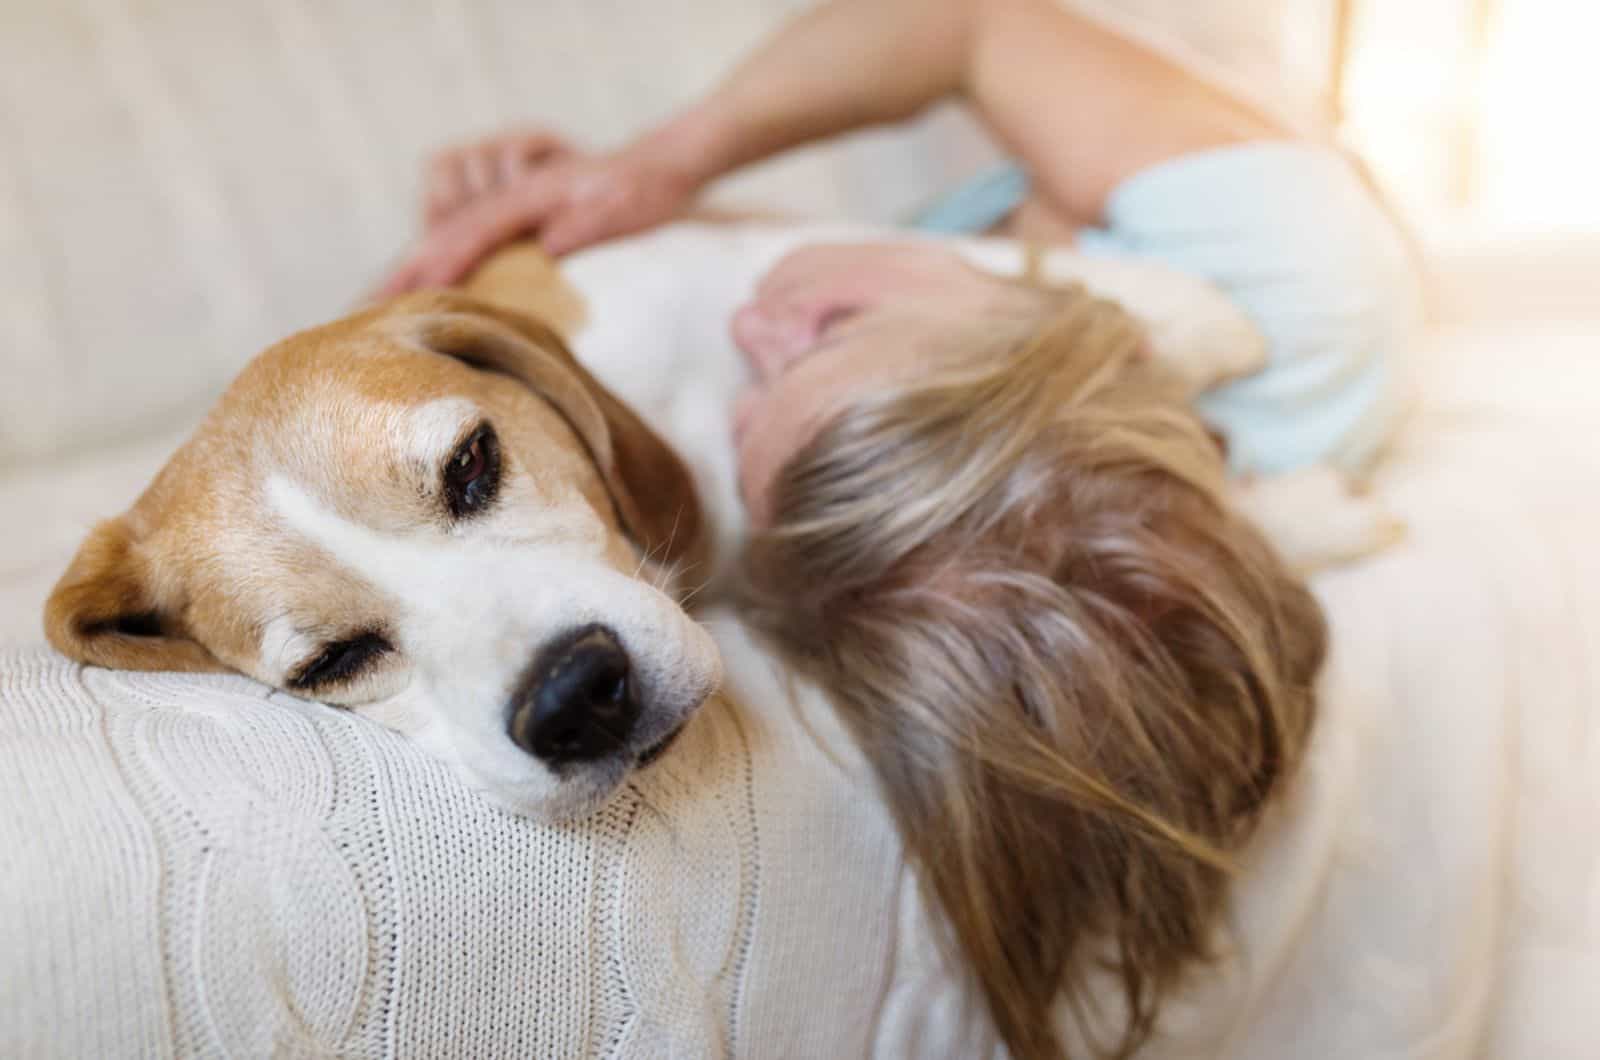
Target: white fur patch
430	430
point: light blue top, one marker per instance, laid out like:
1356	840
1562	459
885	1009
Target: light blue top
1293	235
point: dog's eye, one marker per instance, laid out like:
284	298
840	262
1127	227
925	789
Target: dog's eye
340	661
473	473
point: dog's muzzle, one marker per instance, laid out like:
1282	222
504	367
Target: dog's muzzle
578	702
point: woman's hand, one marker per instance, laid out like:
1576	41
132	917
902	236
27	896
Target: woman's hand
466	173
483	196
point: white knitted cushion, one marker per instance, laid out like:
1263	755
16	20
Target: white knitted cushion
201	867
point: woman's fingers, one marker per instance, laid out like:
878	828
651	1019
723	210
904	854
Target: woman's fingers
444	187
482	227
484	196
530	148
512	159
455	247
479	173
460	175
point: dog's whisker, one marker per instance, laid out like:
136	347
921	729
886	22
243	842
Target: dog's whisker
644	558
666	576
692	593
672	535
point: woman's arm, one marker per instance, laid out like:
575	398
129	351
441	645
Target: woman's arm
1081	107
1084	108
841	65
838	66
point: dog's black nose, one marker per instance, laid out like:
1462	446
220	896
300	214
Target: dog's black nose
578	703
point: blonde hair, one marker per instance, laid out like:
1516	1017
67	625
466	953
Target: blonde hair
1077	675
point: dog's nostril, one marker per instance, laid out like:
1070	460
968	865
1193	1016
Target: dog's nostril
565	740
578	703
609	688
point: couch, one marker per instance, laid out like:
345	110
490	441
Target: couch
202	866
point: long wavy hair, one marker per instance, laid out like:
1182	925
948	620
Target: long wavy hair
1077	675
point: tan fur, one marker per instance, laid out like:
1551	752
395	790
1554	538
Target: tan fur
190	577
522	278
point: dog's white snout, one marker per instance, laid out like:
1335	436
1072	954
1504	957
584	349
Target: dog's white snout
542	670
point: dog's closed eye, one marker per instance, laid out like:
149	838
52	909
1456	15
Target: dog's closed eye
339	661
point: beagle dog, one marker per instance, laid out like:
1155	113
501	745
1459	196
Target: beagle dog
431	513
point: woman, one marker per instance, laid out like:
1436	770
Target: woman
984	520
1000	544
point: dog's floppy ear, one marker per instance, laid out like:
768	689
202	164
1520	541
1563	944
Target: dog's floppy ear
103	611
652	490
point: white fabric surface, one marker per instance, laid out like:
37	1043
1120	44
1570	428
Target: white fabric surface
196	865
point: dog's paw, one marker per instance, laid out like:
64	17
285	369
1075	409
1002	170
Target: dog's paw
1317	518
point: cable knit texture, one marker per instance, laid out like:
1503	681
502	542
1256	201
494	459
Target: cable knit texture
208	868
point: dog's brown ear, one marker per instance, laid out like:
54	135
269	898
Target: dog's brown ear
103	611
651	488
524	279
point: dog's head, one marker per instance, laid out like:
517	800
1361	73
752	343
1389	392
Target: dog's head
431	513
